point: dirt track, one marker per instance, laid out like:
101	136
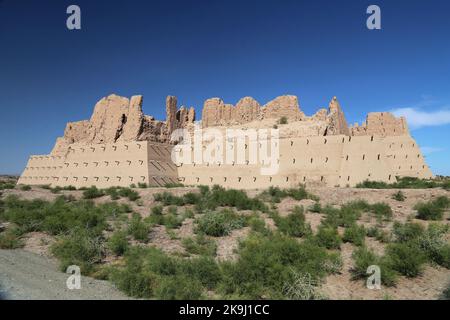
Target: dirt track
28	276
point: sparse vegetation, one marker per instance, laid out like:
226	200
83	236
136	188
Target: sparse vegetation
433	209
25	187
327	237
219	223
294	224
270	263
138	228
200	245
355	234
275	194
118	243
406	183
10	239
92	193
399	196
265	266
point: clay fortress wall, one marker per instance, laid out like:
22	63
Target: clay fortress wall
120	146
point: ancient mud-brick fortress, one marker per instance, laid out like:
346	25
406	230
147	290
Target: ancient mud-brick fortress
120	146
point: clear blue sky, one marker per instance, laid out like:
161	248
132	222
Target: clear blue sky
230	48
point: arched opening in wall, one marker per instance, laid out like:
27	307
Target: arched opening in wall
325	141
254	179
369	175
348	178
211	179
224	179
423	167
413	145
379	156
411	167
418	156
395	156
239	179
371	139
287	179
406	157
390	176
270	179
364	157
198	179
326	160
346	158
304	179
292	143
343	140
349	139
321	178
293	160
401	146
311	160
307	141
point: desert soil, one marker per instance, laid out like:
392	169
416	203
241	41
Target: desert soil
25	275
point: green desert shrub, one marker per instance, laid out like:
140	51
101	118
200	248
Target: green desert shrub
355	234
433	209
142	185
132	195
138	228
25	187
364	257
59	216
399	196
113	193
366	184
219	223
382	211
327	237
150	273
200	245
118	243
11	239
80	247
275	194
173	185
434	245
407	232
257	224
7	184
294	224
405	258
265	264
402	183
316	207
92	193
172	221
169	199
179	287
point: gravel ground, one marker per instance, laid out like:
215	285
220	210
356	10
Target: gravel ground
27	276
